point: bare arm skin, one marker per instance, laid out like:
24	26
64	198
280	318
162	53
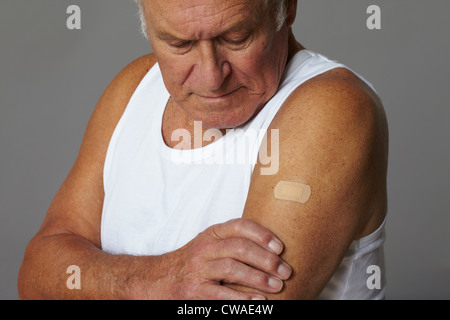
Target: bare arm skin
70	235
333	136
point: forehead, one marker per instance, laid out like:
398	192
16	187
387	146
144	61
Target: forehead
201	18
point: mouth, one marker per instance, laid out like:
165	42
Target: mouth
219	96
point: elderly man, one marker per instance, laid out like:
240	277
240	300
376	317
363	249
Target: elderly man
149	211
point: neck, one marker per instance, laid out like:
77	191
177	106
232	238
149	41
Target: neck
293	45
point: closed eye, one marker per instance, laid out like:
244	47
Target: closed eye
237	41
180	44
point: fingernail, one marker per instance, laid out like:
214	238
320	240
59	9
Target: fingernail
258	298
284	271
275	246
275	283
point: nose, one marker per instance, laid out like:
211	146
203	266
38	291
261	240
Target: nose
212	68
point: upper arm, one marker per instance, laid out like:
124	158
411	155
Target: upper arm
332	137
77	206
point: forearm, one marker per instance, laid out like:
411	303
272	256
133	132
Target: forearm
237	251
43	274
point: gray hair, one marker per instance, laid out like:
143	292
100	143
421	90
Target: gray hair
280	10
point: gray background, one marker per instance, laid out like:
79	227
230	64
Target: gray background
51	79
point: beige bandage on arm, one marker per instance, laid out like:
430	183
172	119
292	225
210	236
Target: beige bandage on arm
292	191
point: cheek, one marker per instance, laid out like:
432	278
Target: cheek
259	76
174	72
260	66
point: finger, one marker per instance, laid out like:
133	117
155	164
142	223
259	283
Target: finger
231	271
251	254
245	228
215	291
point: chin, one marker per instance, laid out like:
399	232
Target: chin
225	121
226	115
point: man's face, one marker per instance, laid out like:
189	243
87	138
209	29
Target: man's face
221	60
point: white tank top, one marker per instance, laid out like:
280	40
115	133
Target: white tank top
157	198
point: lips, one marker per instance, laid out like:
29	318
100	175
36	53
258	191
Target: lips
212	97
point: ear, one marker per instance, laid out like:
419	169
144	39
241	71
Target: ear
291	10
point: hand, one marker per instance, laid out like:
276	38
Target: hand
239	252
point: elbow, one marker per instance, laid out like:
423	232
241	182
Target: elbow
21	284
25	278
23	289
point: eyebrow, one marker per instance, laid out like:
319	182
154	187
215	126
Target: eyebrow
165	36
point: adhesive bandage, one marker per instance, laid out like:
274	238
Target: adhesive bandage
292	191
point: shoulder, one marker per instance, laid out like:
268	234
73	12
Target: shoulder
137	69
109	110
336	113
335	100
116	96
126	81
333	122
